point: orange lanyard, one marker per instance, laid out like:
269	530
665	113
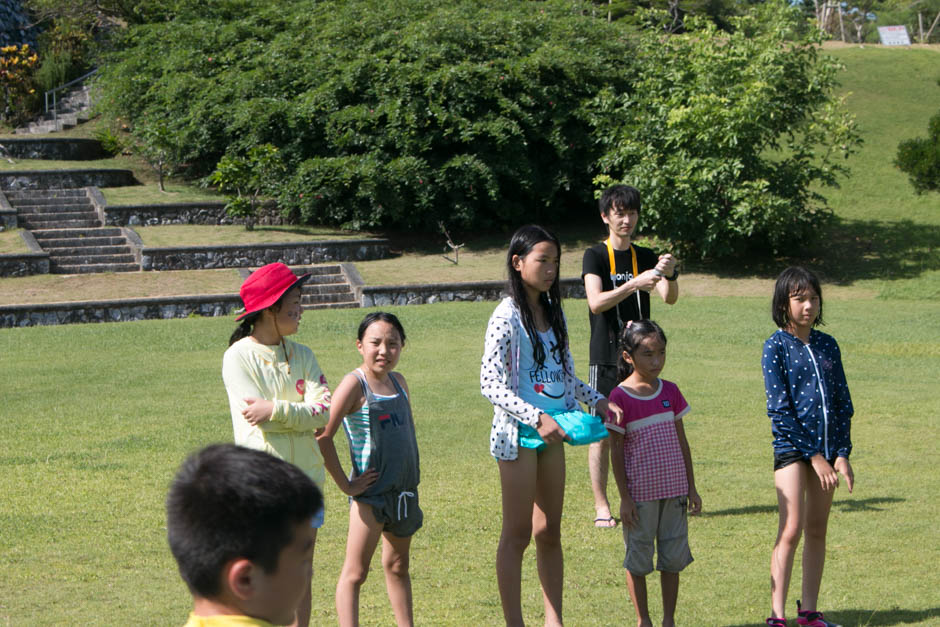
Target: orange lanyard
613	279
613	262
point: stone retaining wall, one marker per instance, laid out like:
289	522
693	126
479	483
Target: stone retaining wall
24	264
241	256
477	291
57	179
56	148
7	213
207	212
118	310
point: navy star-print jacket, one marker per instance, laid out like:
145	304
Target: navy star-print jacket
808	400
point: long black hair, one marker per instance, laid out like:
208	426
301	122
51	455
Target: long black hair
632	334
522	243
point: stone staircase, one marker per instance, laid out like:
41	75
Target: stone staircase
72	110
327	288
66	225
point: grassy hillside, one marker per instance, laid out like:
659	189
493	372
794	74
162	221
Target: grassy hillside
886	236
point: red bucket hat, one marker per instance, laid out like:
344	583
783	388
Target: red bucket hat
266	285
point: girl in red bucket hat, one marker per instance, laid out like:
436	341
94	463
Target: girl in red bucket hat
277	393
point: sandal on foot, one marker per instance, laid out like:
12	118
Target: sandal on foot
605	522
812	618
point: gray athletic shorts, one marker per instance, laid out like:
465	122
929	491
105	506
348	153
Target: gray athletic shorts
666	522
398	512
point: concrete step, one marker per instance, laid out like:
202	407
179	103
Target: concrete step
314	291
75	260
84	251
66	242
55	223
326	298
71	192
325	279
55	216
56	268
342	305
317	270
51	204
101	231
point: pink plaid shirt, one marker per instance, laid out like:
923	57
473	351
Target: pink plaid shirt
651	454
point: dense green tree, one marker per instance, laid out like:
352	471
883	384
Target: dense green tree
920	158
484	113
728	136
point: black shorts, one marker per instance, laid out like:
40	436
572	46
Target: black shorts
604	379
782	460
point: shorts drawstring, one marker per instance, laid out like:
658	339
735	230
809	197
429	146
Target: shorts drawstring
402	499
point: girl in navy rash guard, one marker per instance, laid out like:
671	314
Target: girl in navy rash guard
810	410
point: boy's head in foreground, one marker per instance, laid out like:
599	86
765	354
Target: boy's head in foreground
238	523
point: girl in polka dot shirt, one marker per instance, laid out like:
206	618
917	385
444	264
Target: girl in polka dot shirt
527	371
810	410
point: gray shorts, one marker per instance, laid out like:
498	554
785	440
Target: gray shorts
665	521
398	512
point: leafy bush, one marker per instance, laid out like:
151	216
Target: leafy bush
246	179
387	114
727	135
17	82
920	158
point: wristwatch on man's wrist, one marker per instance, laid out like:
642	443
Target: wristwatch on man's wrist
675	275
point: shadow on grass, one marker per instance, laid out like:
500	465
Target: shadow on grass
843	505
851	250
873	618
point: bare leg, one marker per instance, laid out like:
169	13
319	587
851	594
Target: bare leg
518	481
598	465
790	483
636	584
670	585
395	562
303	610
546	526
363	537
815	524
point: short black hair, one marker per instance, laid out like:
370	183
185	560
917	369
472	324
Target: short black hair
229	502
383	316
619	196
793	280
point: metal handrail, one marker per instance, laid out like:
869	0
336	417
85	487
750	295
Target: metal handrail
55	109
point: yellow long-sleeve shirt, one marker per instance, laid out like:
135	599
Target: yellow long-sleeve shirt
296	385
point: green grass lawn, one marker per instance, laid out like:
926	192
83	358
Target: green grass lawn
87	463
12	243
215	235
149	194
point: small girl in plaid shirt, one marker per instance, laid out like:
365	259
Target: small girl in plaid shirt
652	464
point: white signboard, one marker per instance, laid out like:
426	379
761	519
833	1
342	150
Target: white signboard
894	35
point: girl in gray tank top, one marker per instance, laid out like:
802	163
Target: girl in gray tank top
372	404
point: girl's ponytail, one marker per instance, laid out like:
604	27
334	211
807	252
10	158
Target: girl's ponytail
245	327
634	332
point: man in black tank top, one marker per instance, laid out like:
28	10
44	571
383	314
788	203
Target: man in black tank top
618	279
